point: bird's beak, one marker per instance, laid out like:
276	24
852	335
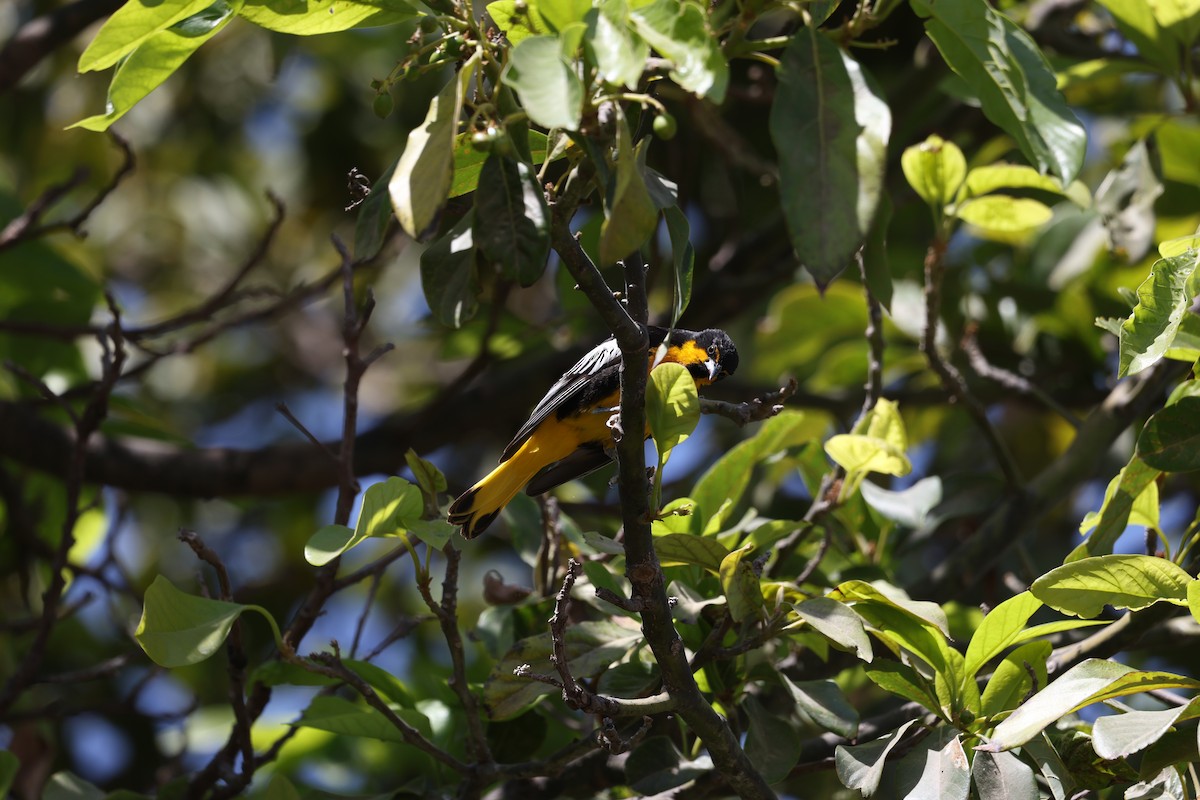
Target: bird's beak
714	369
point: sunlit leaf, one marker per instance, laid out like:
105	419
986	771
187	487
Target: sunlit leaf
1083	588
680	32
999	629
178	629
1011	77
672	405
1163	298
1121	735
130	26
935	169
740	585
549	89
312	17
630	216
861	766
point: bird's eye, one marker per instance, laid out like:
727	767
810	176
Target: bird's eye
713	352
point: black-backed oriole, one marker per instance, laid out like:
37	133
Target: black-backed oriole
567	435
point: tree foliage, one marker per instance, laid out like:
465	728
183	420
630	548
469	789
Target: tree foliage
956	242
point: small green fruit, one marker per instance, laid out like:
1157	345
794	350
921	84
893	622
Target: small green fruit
383	105
665	127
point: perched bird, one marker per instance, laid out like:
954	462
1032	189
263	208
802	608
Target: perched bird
567	435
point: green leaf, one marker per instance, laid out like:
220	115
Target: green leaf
450	275
1163	299
130	26
429	477
421	181
837	622
9	764
591	647
1012	680
771	743
311	17
630	216
936	767
740	585
468	162
1171	439
1131	497
156	59
1083	588
433	532
619	53
684	260
549	89
984	180
999	629
1125	201
824	705
329	542
1003	218
679	31
830	127
858	453
1091	681
517	25
928	613
902	681
178	629
562	14
389	507
1010	75
672	406
861	766
875	254
727	479
512	221
1122	735
341	716
935	169
1003	776
686	548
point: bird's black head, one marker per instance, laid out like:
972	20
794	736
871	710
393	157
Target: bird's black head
720	349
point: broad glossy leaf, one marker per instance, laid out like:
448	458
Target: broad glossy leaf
1171	439
823	704
858	453
771	742
1003	776
1136	22
468	162
630	216
1010	75
389	507
909	507
178	629
312	17
420	183
1001	217
1131	498
329	542
902	681
999	629
831	128
686	548
450	275
837	622
549	88
679	30
672	405
937	768
987	179
727	479
861	766
1121	735
156	59
935	169
512	221
619	53
1083	588
130	26
1090	681
1163	298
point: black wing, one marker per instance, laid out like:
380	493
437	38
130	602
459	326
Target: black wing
605	356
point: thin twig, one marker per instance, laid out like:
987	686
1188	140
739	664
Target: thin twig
951	379
764	407
1010	380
